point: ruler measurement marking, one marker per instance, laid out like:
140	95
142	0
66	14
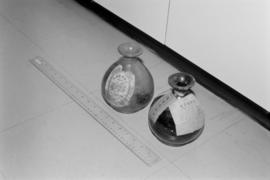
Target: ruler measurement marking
143	152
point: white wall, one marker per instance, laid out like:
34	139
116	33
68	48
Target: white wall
228	38
149	16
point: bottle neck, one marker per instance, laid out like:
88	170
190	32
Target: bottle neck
136	58
181	83
130	49
180	93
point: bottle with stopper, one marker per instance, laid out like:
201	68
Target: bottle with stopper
127	85
175	117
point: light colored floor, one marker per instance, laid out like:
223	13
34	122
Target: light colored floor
45	135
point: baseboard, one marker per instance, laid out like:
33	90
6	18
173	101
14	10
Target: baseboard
210	82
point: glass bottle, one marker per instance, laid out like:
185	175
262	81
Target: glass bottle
175	117
127	85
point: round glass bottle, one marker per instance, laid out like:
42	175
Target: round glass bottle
175	117
127	85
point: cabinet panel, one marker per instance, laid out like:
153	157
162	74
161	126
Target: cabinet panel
149	16
228	38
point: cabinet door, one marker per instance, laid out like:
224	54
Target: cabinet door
228	38
149	16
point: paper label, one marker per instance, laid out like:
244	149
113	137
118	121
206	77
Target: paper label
120	86
187	115
160	105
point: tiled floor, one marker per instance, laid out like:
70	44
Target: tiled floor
45	135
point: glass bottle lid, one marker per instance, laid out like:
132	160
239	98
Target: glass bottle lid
181	81
130	49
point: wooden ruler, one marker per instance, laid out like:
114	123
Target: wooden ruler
87	102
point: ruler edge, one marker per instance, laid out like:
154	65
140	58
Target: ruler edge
34	62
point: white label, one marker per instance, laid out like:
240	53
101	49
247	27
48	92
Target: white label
38	61
120	87
187	115
160	105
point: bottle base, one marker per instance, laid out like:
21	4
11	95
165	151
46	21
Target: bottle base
174	140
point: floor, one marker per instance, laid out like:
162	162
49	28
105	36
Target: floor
45	135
